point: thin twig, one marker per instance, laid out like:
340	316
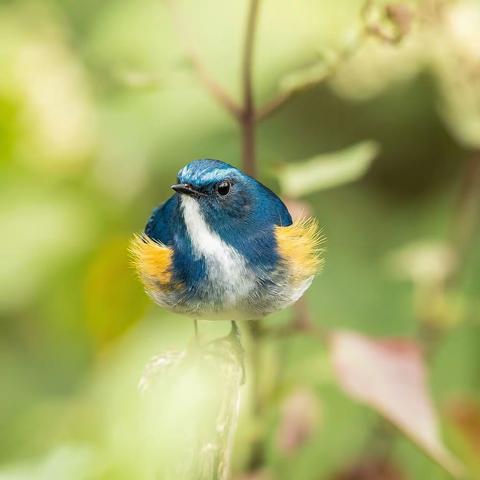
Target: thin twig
212	86
247	121
247	64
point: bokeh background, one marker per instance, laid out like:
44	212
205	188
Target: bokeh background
99	108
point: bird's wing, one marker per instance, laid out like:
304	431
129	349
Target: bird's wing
300	245
285	218
161	221
277	212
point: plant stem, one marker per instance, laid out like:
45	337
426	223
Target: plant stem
247	119
248	147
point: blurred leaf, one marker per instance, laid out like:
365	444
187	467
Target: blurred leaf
456	61
389	376
328	63
300	416
460	103
425	263
429	265
327	170
377	66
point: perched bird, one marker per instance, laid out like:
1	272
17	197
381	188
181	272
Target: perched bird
224	247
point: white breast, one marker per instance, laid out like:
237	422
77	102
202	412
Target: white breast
226	268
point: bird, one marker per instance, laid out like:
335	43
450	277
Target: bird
225	247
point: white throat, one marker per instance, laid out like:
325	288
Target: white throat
226	267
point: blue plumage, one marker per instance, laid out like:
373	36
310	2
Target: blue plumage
221	228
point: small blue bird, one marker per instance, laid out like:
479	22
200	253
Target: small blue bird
224	247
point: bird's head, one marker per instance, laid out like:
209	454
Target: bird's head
222	192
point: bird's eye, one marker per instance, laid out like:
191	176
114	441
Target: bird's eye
223	188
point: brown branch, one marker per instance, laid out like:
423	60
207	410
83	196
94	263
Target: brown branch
247	120
247	62
210	83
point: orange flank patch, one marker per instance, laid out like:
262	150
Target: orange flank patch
152	260
301	246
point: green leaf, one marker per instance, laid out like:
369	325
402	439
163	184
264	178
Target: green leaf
327	170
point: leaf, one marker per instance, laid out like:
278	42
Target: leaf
327	170
424	262
389	376
455	61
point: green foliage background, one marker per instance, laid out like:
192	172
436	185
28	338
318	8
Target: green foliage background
98	111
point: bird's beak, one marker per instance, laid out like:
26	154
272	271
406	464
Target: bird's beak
187	189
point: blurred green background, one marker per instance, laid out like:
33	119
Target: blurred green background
99	108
